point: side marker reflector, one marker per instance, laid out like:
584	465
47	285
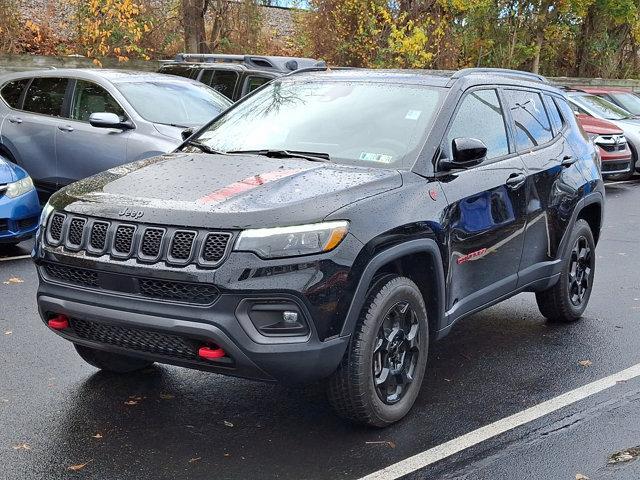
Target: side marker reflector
60	322
211	353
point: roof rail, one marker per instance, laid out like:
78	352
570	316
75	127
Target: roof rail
318	68
256	61
505	72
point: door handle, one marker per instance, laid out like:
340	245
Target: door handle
516	180
66	128
15	119
568	160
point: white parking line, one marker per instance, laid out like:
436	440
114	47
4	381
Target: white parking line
20	257
475	437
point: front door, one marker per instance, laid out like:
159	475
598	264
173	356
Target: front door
487	209
82	149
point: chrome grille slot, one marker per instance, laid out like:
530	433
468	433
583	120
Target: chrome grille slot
76	232
151	243
124	239
182	245
98	237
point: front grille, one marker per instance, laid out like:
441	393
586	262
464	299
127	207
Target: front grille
182	244
613	166
4	225
146	243
151	242
164	290
136	339
55	227
27	223
214	247
124	239
75	276
181	292
98	237
76	228
613	148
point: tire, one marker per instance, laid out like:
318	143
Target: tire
111	362
566	301
392	334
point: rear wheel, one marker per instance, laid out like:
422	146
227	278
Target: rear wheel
380	375
111	362
567	299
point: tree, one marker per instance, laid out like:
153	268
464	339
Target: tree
193	12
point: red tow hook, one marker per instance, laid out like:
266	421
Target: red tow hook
209	353
60	322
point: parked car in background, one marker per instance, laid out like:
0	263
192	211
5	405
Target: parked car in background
234	75
19	205
598	107
612	145
64	125
625	99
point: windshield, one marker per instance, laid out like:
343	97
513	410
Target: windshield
628	100
370	124
174	103
601	107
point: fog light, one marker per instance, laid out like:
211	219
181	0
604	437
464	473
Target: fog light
290	317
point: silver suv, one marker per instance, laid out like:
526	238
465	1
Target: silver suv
64	125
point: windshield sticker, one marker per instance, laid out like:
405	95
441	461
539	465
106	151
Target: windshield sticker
413	115
376	157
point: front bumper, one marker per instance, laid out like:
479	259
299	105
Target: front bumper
18	217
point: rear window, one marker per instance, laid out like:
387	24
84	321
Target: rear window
12	91
530	119
179	70
46	96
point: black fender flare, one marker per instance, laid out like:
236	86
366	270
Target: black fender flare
422	245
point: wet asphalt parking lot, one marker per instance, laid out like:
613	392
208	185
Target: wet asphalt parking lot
60	418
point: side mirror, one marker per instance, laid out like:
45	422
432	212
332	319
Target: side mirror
187	132
108	120
466	153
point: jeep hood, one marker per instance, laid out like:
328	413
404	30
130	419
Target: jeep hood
223	191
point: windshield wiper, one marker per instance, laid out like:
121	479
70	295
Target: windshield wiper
205	148
311	156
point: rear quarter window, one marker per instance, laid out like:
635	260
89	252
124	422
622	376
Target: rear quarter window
11	92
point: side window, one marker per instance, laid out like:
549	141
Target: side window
45	96
532	125
12	91
224	81
207	76
90	98
254	82
554	115
480	116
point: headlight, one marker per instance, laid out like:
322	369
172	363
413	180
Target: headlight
292	241
20	187
46	211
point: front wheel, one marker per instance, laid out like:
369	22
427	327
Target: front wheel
567	300
380	375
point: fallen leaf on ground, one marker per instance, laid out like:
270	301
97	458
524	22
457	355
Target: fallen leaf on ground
80	466
166	396
22	446
585	363
195	459
382	442
131	402
13	281
97	435
228	424
580	476
624	455
8	332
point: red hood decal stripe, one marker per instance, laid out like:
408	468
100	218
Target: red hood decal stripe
246	184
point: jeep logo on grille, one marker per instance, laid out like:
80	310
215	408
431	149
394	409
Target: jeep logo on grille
127	212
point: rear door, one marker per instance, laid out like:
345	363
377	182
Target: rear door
32	130
552	178
82	149
487	208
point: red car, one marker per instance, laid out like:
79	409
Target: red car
624	98
611	142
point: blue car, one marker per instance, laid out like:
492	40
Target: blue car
19	205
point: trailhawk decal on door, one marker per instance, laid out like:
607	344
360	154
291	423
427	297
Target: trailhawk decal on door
471	256
247	184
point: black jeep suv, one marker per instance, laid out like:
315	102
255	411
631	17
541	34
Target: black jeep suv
329	226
